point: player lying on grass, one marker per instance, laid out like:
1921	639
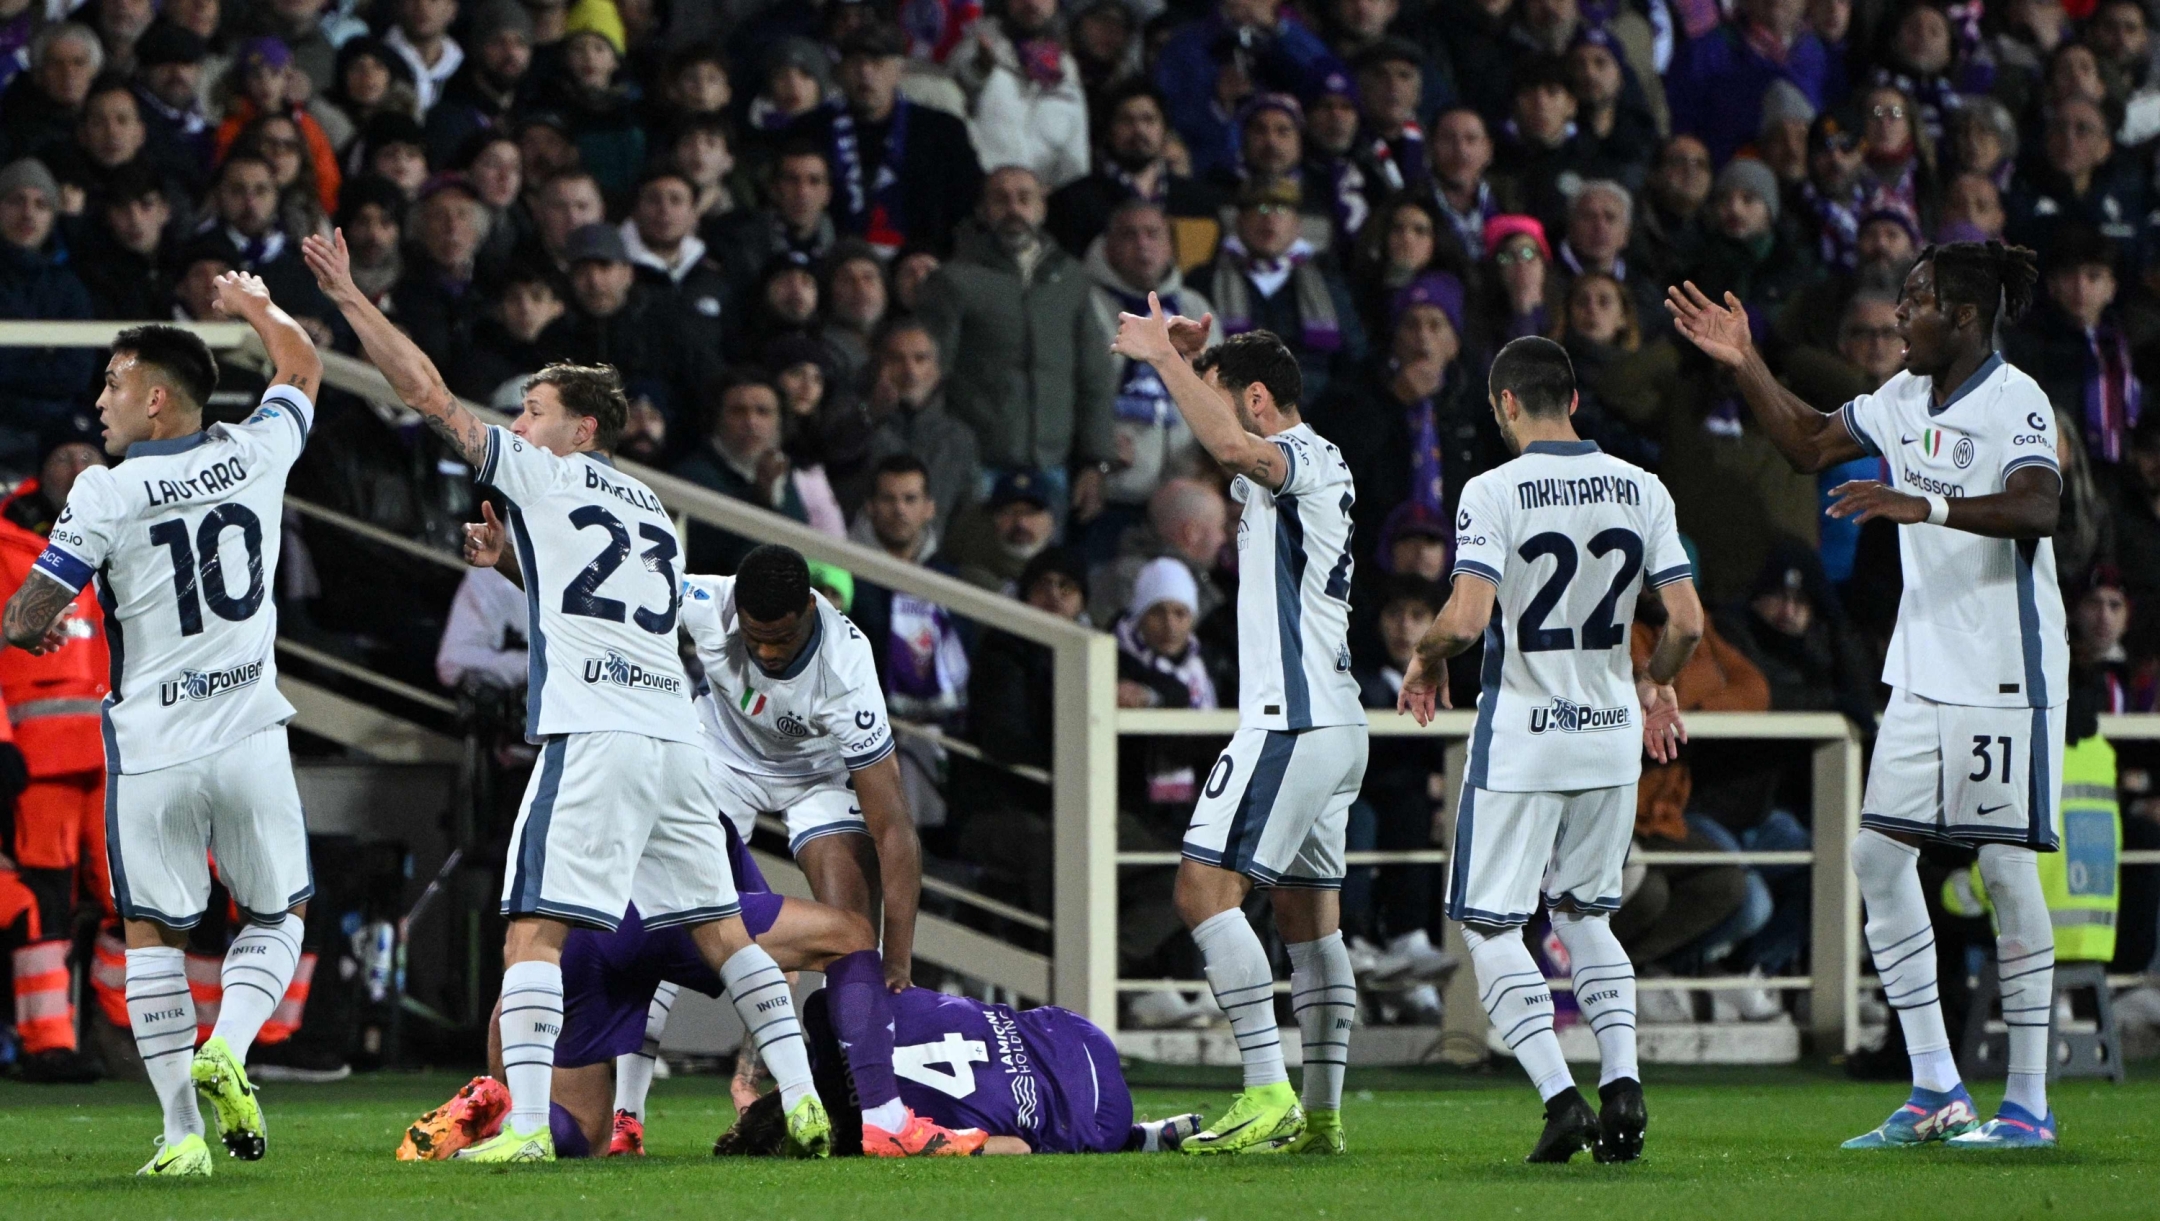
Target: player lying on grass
610	1015
1035	1080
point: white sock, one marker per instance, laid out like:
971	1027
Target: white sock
1520	1004
1244	985
634	1070
1323	994
161	1012
532	1003
760	991
1903	945
1604	989
2025	960
258	968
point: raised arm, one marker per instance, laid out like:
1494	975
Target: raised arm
1810	440
1458	626
292	351
899	853
411	374
1214	424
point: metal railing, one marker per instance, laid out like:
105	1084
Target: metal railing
1081	972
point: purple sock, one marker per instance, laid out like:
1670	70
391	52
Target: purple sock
862	1018
569	1138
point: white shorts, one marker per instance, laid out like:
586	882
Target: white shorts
1276	806
1512	847
815	806
240	804
612	818
1964	774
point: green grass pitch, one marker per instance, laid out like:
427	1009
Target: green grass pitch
1723	1144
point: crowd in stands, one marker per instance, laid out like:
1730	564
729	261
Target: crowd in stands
860	261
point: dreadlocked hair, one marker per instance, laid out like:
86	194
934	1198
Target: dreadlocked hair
1985	275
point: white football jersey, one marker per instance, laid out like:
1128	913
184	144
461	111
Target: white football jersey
1570	535
598	552
1981	620
823	716
1293	609
183	540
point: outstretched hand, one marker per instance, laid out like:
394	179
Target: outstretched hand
1720	331
1864	500
1663	730
1146	337
1422	692
484	538
331	261
1189	336
240	294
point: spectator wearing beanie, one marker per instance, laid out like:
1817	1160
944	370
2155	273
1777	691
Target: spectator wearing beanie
1267	277
1522	284
486	88
1615	116
1746	255
1782	141
1131	130
1025	104
39	385
262	67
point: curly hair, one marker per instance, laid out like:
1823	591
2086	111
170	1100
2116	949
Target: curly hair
1985	275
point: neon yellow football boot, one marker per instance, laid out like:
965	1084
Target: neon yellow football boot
1323	1133
1266	1119
809	1131
511	1145
190	1159
223	1082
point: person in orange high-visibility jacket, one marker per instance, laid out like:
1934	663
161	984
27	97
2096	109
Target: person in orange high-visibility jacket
55	703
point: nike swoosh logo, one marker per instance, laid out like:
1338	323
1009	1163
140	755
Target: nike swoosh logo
1227	1133
1907	440
1987	810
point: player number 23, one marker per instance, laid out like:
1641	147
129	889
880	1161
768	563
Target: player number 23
1985	765
582	595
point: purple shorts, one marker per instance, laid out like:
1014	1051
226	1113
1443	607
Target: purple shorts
609	978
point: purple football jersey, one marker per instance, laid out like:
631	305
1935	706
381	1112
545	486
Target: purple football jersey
1047	1075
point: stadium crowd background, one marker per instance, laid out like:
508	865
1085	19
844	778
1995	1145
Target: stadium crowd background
859	263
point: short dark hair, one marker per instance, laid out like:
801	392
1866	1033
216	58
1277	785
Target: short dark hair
1117	95
242	156
1984	275
728	381
1409	587
899	464
658	171
1260	356
772	583
1538	373
179	355
594	391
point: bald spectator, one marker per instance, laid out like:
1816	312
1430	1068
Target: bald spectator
1130	132
1267	278
1027	362
1188	520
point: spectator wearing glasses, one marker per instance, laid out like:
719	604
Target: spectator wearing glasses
1268	278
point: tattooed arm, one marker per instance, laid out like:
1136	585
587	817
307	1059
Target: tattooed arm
407	368
33	615
292	351
1207	411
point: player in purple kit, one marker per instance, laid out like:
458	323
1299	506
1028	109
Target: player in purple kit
1040	1080
610	981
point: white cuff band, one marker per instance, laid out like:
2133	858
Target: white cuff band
1938	508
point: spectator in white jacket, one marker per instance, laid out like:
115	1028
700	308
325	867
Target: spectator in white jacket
484	637
1026	104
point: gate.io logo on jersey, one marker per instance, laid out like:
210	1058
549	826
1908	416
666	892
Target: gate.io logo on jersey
1567	716
620	671
195	685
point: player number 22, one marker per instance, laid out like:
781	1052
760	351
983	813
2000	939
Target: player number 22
1981	746
582	596
959	1055
1600	630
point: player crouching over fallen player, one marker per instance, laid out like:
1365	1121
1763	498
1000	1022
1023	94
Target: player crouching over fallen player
1035	1080
617	990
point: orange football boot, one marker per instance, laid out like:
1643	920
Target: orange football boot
473	1114
628	1139
921	1138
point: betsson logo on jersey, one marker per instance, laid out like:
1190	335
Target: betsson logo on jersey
1567	716
622	672
194	685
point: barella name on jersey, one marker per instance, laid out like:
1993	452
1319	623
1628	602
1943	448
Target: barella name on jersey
623	672
1566	493
1567	716
635	497
194	685
217	477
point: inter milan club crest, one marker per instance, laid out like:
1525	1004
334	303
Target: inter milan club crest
1962	453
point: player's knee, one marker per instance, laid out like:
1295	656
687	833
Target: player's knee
851	933
1878	860
2012	875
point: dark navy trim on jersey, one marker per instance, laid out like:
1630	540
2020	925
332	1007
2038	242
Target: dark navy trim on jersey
67	569
696	915
536	663
491	457
1289	457
1292	882
1678	572
530	868
1459	859
2036	692
857	827
1964	836
1488	700
1242	841
1561	449
1985	371
1475	569
809	649
856	763
2045	460
2040	825
295	404
1290	612
113	864
1609	903
570	913
116	651
171	445
599	457
1851	421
